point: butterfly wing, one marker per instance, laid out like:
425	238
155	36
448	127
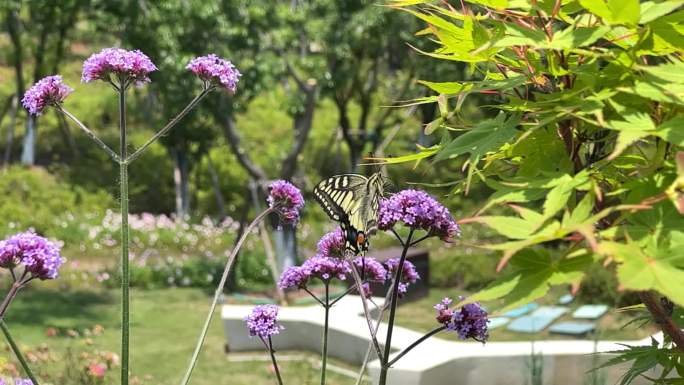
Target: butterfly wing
352	200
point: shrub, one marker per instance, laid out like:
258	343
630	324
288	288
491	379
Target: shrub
33	198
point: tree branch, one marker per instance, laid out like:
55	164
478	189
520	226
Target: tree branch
302	126
663	319
234	140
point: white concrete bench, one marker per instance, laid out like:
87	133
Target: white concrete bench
434	362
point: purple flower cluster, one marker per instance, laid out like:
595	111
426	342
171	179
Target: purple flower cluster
371	271
287	199
323	268
18	381
262	321
409	274
469	322
39	256
332	244
214	69
418	210
48	91
133	65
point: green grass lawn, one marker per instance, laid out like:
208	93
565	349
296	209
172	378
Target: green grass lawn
165	324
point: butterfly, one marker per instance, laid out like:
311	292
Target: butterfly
352	200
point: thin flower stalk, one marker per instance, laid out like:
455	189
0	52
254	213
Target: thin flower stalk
219	291
324	353
416	343
90	134
378	322
193	103
393	309
17	352
274	362
373	331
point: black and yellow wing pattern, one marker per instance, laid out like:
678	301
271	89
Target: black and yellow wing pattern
353	201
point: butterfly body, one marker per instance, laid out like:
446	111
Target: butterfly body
353	201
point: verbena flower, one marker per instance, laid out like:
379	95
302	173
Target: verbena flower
216	70
371	271
22	381
287	199
293	276
132	65
262	321
39	256
323	268
468	322
418	210
332	244
48	91
409	274
444	314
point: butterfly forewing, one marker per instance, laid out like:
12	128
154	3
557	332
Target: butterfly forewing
352	200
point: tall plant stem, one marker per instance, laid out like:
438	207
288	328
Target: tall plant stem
125	282
17	352
219	291
393	310
324	354
273	360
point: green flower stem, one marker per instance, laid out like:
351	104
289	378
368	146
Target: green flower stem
219	291
169	125
17	352
90	134
393	310
16	286
416	343
324	353
125	274
273	360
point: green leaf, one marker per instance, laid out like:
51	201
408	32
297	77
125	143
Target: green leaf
535	272
635	126
511	227
514	195
598	8
572	37
624	11
640	271
672	131
487	136
498	4
651	10
667	72
517	35
558	196
614	11
448	87
424	153
452	88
